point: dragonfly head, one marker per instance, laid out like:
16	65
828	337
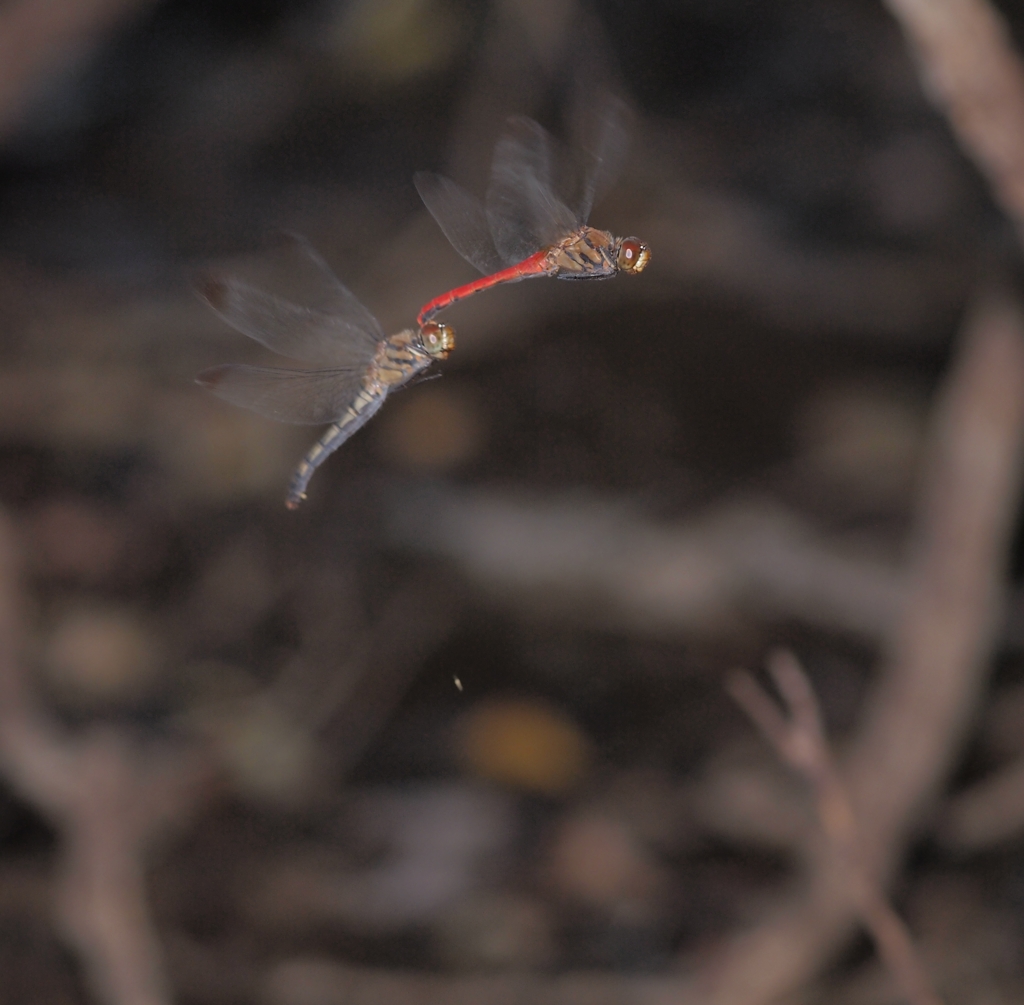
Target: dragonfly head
438	339
632	255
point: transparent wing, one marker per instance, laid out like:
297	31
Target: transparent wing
523	211
604	144
319	320
462	219
305	397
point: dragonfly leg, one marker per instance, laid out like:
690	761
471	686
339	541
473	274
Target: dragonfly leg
362	410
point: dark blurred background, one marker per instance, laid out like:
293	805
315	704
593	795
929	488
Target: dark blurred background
464	709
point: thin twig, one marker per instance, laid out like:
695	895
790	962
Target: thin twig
800	741
934	666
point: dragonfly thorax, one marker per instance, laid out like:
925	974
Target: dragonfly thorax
587	253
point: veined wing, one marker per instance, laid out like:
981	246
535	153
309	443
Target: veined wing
605	143
322	323
304	397
523	211
462	219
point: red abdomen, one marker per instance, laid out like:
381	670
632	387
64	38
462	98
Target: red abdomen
538	264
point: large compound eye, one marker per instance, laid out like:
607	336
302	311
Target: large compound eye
438	339
633	255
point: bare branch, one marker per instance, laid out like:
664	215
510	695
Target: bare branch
800	741
108	800
972	72
935	663
579	553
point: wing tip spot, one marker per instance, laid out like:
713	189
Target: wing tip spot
211	378
214	290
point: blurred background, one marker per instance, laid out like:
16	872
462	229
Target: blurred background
463	713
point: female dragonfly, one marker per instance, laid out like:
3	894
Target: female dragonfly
525	229
359	366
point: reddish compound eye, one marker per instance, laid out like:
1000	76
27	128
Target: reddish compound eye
633	255
438	339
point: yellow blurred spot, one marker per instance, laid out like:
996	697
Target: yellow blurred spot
268	757
432	429
95	656
863	439
387	41
526	745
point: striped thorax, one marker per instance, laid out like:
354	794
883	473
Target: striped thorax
408	353
594	254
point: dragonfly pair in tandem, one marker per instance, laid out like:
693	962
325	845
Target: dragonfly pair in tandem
522	230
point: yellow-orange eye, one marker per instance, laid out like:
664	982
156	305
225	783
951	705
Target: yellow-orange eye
633	255
438	338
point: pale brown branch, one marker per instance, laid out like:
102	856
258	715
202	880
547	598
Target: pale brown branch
101	893
604	558
972	72
107	799
800	741
934	664
937	659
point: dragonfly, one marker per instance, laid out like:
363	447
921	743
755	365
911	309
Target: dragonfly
357	366
524	229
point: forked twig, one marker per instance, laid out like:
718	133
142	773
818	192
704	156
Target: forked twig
800	741
933	668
